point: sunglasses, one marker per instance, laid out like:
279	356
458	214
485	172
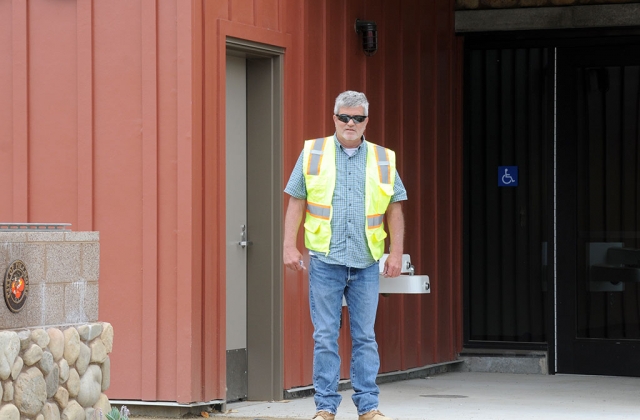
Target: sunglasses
356	118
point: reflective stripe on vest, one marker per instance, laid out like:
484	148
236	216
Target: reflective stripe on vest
319	210
315	159
383	164
374	221
320	178
378	192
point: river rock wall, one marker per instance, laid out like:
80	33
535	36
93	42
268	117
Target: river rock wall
57	373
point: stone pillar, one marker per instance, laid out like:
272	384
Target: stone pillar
54	354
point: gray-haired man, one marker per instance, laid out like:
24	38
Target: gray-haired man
347	186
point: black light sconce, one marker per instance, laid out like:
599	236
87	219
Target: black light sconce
369	36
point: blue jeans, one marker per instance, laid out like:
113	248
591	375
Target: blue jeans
327	284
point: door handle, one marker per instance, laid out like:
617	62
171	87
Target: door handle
243	237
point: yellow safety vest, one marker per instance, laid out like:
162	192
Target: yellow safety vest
319	166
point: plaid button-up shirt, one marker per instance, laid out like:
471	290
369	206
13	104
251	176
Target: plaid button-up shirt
348	245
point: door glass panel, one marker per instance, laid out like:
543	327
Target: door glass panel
608	193
508	123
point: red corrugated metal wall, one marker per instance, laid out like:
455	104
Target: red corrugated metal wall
100	127
112	119
413	84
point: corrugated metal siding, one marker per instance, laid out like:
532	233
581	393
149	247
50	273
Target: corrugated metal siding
6	107
112	119
411	83
117	102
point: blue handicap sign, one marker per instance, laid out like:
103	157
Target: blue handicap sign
507	176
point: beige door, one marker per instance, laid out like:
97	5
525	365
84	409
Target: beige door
254	200
237	230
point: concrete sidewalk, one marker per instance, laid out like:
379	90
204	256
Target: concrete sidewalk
477	396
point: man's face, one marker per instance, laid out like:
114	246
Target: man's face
350	133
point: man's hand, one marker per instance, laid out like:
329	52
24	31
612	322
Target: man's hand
293	259
392	265
395	219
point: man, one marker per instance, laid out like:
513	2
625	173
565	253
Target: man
346	185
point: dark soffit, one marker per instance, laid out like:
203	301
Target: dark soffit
546	18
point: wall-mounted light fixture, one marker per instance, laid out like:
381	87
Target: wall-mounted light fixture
369	36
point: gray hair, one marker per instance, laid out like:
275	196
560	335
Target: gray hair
351	99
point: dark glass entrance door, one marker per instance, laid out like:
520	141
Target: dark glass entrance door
598	210
508	94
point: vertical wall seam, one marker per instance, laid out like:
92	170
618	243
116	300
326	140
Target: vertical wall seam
343	50
434	171
20	72
445	353
207	358
419	130
255	13
299	117
401	102
458	185
84	34
457	192
184	300
280	26
197	236
323	63
149	66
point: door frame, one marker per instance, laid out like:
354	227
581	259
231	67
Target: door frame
265	91
553	39
575	354
512	41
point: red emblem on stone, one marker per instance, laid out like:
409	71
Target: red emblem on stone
16	286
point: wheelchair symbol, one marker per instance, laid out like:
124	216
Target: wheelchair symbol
507	178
